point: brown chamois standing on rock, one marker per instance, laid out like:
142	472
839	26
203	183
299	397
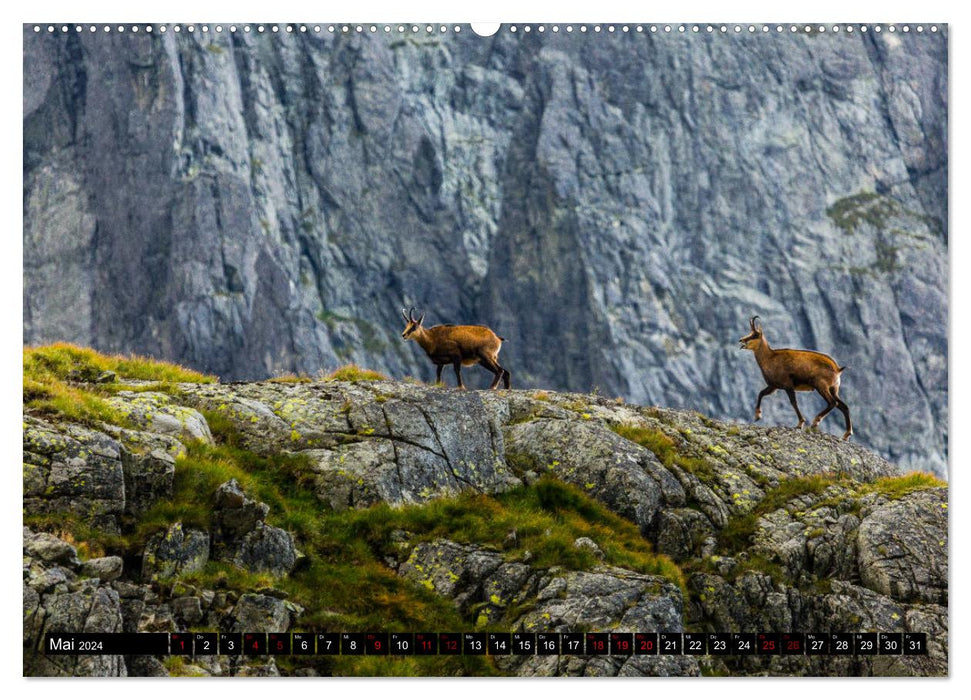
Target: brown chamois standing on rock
457	346
796	370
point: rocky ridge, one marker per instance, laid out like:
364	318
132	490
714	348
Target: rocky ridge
763	529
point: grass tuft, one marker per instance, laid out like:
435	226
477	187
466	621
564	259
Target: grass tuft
895	487
353	373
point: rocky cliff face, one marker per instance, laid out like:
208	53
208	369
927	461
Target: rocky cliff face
251	507
616	205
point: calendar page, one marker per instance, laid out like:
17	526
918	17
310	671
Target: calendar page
432	349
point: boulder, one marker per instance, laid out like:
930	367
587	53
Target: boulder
175	551
156	412
103	568
71	468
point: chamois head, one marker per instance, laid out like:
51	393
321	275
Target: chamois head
413	324
752	340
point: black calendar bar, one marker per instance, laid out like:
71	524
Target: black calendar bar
492	643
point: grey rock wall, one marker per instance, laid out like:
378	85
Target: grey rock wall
616	205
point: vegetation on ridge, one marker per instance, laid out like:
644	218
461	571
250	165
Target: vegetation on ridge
71	381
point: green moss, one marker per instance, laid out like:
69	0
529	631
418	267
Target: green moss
737	534
823	586
665	449
850	212
576	405
522	418
762	564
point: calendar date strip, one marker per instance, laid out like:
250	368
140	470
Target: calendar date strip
487	643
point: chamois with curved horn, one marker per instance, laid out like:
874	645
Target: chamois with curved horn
796	370
457	345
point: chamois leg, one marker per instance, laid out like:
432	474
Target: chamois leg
845	410
792	399
438	373
758	404
506	378
458	373
830	405
493	367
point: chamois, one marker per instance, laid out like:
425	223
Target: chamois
796	370
457	345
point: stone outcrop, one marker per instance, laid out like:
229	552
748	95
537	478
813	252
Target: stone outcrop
99	476
243	538
774	529
178	550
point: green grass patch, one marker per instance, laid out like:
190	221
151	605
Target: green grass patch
61	359
222	427
895	487
547	516
89	541
73	382
665	448
50	396
576	405
353	373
